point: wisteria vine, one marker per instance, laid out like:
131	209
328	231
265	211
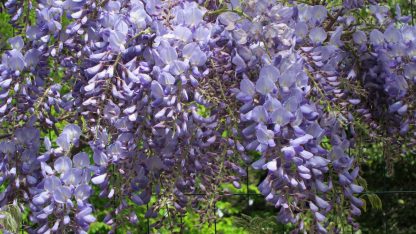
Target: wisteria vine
129	100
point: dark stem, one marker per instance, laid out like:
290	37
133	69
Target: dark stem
333	20
411	12
5	136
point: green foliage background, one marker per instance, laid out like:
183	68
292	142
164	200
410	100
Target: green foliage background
390	202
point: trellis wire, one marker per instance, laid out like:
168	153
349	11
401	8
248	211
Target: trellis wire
283	231
249	194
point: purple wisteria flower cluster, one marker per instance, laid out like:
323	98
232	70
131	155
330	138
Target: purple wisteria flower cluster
128	100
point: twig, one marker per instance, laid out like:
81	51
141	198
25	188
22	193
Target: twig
411	12
333	20
223	10
5	136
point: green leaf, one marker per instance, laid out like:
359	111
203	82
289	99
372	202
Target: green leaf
203	111
364	205
12	218
257	224
99	227
361	181
6	30
375	201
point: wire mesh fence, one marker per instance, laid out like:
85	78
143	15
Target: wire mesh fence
385	195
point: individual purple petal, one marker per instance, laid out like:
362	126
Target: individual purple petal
137	200
301	30
265	86
247	87
321	229
402	110
99	179
319	217
14	60
272	165
66	219
380	12
269	72
72	177
52	183
356	188
100	158
46	169
289	152
41	198
167	53
73	131
16	42
47	143
317	35
82	192
321	202
313	207
85	211
281	116
301	140
157	90
376	37
32	57
392	35
138	16
166	79
306	154
321	186
343	180
359	37
182	33
62	164
239	62
318	14
354	101
191	15
355	211
259	114
240	36
267	78
62	194
265	136
259	164
81	160
357	201
111	111
89	218
317	161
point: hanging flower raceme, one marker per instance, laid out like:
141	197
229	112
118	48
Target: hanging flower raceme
63	192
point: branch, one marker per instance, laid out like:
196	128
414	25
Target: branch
333	20
223	10
5	136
